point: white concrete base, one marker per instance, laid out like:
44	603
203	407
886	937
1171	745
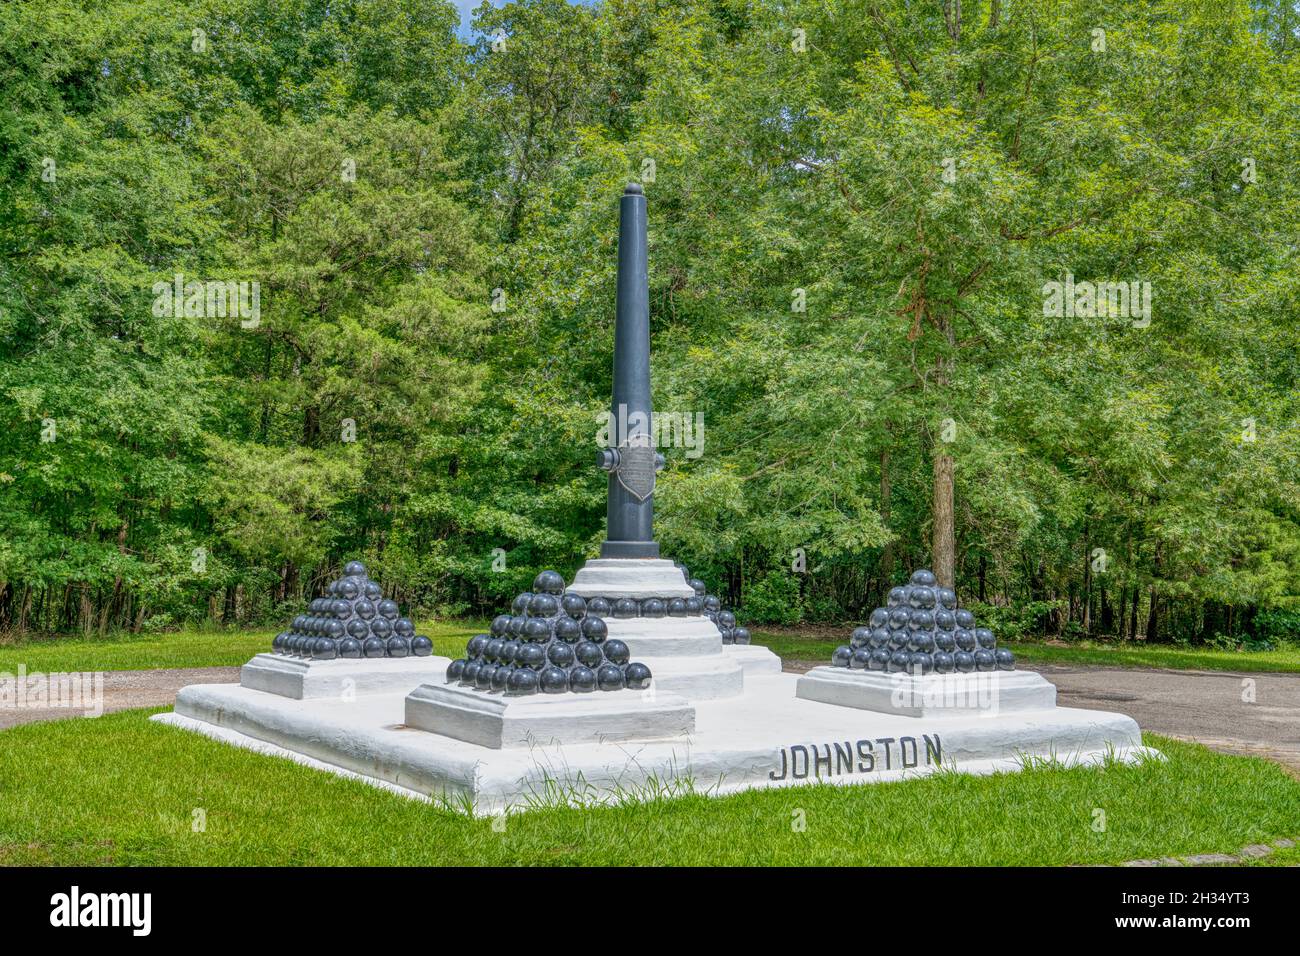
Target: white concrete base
304	679
755	659
631	578
496	721
683	653
977	694
768	737
696	678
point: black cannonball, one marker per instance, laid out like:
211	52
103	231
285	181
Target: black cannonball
946	597
841	656
610	677
879	637
332	589
879	659
403	627
469	674
358	629
325	649
477	645
739	635
965	639
582	680
349	589
597	606
500	625
898	662
694	607
921	641
399	646
943	662
625	608
677	607
727	635
859	637
501	678
381	627
636	676
372	591
299	622
522	682
726	619
588	654
921	620
860	659
354	568
594	629
560	654
920	663
493	650
945	620
374	647
897	597
314	605
277	645
924	577
543	605
964	661
879	617
897	640
341	609
554	680
945	641
984	660
653	607
985	638
698	586
616	652
483	679
899	617
455	669
532	656
517	624
335	629
711	604
364	609
549	582
574	605
964	618
510	651
1006	661
520	604
568	629
421	646
538	629
388	608
921	597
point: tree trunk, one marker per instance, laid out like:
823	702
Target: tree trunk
887	553
944	546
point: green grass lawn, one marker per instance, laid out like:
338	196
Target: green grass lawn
180	649
817	645
120	790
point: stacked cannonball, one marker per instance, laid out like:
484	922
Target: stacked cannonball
923	631
352	621
553	642
711	607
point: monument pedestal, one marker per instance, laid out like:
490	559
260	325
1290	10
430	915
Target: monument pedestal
980	693
496	721
767	737
305	679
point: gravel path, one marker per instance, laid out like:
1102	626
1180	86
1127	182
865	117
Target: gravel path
123	690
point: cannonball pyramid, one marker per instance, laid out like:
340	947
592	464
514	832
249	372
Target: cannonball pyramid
553	642
710	605
922	631
352	621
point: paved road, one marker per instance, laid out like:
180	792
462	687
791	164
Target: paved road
1203	706
1211	707
123	690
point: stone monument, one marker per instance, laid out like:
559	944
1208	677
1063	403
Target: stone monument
632	677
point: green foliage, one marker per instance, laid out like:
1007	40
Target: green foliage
773	599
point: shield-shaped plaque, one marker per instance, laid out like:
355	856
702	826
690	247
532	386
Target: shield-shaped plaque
636	469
